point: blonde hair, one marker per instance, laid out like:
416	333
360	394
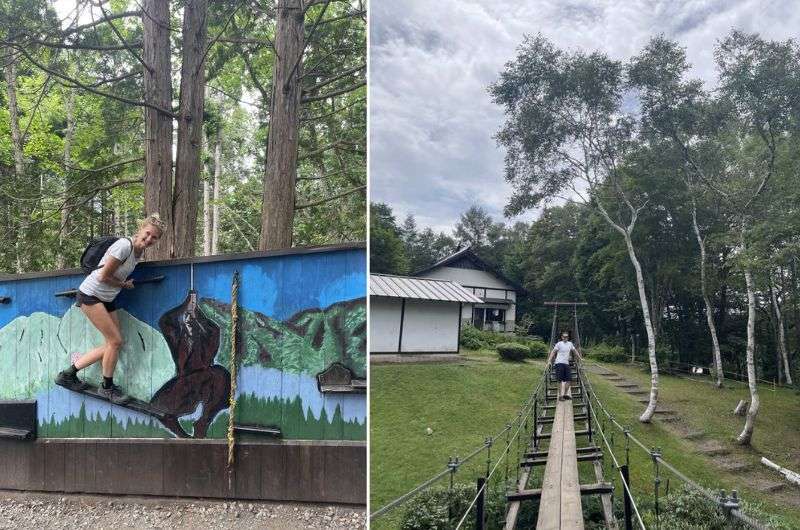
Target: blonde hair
153	219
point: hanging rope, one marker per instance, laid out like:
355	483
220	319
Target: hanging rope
233	363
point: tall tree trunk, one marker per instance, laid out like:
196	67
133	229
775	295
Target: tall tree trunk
217	177
158	125
280	173
752	411
188	165
648	326
781	333
10	75
61	259
712	329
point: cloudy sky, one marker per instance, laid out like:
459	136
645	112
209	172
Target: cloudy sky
432	153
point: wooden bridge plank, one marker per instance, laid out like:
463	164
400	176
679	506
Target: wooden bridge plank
560	504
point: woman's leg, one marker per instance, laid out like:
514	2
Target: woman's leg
108	325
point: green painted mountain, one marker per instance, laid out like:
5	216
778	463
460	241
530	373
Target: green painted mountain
35	348
306	343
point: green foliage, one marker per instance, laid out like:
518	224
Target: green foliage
473	338
538	349
607	353
513	351
685	509
432	509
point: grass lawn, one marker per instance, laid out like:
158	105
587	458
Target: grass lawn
462	403
705	408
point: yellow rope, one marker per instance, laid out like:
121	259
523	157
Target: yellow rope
234	335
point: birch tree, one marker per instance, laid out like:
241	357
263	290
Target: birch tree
566	134
679	111
756	82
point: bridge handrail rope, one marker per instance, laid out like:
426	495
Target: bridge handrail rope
724	502
519	418
497	464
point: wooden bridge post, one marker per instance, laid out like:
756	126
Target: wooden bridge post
479	506
626	497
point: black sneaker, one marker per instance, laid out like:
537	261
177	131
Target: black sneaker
568	397
69	380
114	394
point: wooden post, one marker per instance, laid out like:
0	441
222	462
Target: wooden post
479	507
626	497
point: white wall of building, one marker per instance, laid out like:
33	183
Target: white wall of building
384	324
428	326
469	277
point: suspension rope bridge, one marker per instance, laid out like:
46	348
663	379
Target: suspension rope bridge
560	491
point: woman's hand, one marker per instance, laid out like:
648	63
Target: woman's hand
127	284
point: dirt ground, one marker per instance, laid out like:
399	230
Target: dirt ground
49	511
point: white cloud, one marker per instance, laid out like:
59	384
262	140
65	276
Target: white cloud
431	148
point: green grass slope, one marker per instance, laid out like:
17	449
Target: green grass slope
462	403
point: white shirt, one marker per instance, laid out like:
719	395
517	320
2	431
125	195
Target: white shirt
563	349
121	249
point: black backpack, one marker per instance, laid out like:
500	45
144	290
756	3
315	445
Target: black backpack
95	251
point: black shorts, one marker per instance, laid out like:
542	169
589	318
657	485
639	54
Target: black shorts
83	298
563	372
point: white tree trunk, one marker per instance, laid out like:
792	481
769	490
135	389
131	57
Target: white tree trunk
781	334
712	328
217	175
61	260
747	433
648	326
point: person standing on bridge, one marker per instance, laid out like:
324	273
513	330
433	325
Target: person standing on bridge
562	352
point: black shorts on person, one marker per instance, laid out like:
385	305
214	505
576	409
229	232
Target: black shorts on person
563	372
83	298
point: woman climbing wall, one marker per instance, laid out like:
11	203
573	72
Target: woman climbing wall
96	297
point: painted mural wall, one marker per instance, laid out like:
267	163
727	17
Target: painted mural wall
298	314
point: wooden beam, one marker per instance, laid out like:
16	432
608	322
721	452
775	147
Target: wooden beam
605	499
601	488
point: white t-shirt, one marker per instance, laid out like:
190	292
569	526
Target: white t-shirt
563	349
121	249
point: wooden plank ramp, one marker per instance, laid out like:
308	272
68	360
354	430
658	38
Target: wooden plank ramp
560	505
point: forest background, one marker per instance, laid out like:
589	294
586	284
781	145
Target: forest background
241	122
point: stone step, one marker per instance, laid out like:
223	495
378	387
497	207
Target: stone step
627	385
693	435
637	392
664	411
714	450
733	466
771	487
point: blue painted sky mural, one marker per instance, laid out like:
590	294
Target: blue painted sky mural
39	331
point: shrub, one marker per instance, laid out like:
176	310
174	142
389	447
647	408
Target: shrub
513	351
685	509
607	353
473	338
430	509
538	349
